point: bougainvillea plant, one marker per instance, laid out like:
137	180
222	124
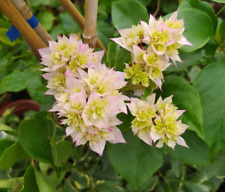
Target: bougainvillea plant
146	115
88	96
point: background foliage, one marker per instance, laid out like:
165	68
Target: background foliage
35	154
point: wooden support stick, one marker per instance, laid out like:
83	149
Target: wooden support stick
69	6
27	14
21	24
90	33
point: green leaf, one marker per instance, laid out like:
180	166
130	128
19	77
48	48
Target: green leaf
109	186
11	183
169	6
211	86
105	31
198	152
30	183
193	187
134	161
219	1
128	13
185	97
42	182
36	135
14	82
149	185
207	8
197	31
220	33
5	39
80	179
46	19
11	155
69	25
7	129
64	150
117	57
4	144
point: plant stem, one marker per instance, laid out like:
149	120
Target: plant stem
223	8
69	6
90	33
157	8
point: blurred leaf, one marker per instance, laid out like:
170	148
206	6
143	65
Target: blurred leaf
198	152
30	183
11	155
146	2
46	19
185	97
41	2
169	6
211	86
149	185
105	31
4	144
5	24
109	186
193	187
36	135
135	161
128	13
197	31
57	31
219	1
176	166
14	82
215	168
117	57
80	180
5	39
69	187
7	129
43	184
126	119
69	25
10	183
47	103
188	59
64	150
220	33
193	73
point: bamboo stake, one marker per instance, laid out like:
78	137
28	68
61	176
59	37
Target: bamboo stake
69	6
27	14
90	33
21	24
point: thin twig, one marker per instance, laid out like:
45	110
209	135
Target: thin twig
157	8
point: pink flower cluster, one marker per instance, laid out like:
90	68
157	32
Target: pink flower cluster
157	122
86	92
152	46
